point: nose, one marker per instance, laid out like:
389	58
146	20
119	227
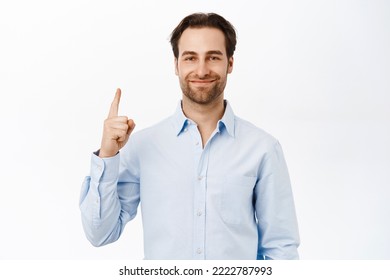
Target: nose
202	70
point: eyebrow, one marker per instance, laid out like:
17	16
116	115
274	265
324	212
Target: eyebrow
195	53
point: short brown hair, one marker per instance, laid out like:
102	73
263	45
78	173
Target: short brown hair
199	20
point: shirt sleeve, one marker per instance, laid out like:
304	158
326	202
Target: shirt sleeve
275	210
109	198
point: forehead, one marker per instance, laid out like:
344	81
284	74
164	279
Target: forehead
202	40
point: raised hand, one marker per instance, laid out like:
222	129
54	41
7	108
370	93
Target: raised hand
116	131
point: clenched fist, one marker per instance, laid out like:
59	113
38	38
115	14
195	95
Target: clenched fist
117	130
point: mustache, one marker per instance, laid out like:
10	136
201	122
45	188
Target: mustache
210	77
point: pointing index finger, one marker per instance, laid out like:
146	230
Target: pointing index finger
115	104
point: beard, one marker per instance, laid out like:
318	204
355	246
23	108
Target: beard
203	95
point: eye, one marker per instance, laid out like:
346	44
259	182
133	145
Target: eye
214	58
189	58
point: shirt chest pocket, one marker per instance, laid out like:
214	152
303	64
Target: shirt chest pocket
236	203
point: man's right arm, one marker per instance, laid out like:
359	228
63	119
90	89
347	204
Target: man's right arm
110	195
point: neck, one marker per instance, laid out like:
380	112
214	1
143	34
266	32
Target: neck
206	116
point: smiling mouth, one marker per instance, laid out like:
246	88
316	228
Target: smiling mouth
201	81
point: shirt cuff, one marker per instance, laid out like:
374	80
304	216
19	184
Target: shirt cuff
104	169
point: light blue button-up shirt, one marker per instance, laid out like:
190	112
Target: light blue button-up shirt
230	199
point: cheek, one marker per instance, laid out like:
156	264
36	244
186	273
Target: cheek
182	76
183	71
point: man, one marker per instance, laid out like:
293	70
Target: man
211	185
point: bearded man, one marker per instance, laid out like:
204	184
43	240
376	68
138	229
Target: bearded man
210	184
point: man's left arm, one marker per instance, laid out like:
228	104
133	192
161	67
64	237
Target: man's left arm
275	209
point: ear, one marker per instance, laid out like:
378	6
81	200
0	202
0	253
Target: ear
176	67
230	65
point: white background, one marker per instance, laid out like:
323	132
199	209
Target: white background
315	74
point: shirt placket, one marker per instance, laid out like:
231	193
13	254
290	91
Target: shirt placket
200	187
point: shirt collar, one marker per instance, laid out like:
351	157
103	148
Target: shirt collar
227	121
181	121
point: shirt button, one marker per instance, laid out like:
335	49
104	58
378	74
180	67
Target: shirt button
97	201
197	143
199	213
99	167
185	129
199	251
200	178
